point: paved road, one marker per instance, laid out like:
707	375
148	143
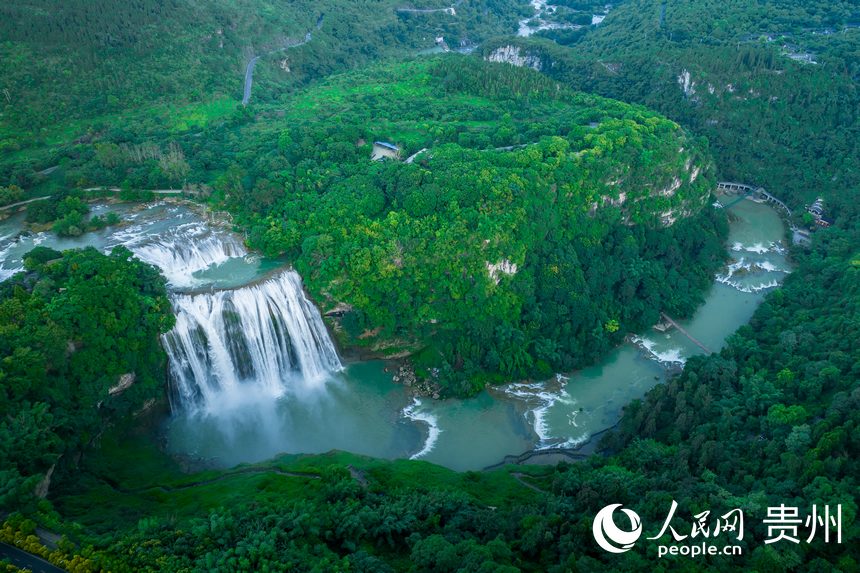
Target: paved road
22	203
249	79
449	10
24	560
111	189
249	69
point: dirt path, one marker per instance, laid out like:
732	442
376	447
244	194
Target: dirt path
171	488
519	477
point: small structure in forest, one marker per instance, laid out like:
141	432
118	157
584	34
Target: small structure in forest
384	150
817	212
663	325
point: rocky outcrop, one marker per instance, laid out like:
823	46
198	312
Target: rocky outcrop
515	56
44	485
339	310
671	189
406	375
685	80
498	269
147	406
125	382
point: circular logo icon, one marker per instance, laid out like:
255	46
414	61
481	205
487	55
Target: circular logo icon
609	536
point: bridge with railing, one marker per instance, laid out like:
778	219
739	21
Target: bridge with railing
756	193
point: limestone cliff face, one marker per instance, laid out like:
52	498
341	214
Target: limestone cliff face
674	183
125	382
515	56
688	86
678	191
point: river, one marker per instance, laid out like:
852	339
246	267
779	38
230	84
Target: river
254	373
548	17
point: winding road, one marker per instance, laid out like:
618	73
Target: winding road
90	189
227	475
249	79
450	10
249	69
23	560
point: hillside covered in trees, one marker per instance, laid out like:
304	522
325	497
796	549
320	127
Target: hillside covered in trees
80	348
534	230
770	420
525	228
69	69
772	85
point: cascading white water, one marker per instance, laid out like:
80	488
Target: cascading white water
182	250
266	339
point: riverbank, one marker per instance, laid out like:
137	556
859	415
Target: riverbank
381	408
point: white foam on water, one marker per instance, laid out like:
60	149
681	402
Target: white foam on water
765	267
759	248
570	443
413	412
6	272
756	248
745	288
183	250
769	267
753	266
667	357
541	8
535	394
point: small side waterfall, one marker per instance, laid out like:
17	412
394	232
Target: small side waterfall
264	339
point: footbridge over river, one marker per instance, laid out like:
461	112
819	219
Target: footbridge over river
755	193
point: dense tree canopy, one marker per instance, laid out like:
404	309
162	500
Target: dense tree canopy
64	65
577	191
525	229
773	85
535	229
770	420
72	327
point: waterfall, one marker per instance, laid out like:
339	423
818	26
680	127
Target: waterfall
182	250
265	339
232	350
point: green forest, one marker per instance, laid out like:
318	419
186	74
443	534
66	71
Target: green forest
601	207
79	339
787	124
521	178
533	219
771	419
79	65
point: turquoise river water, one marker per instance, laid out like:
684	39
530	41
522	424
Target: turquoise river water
246	388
